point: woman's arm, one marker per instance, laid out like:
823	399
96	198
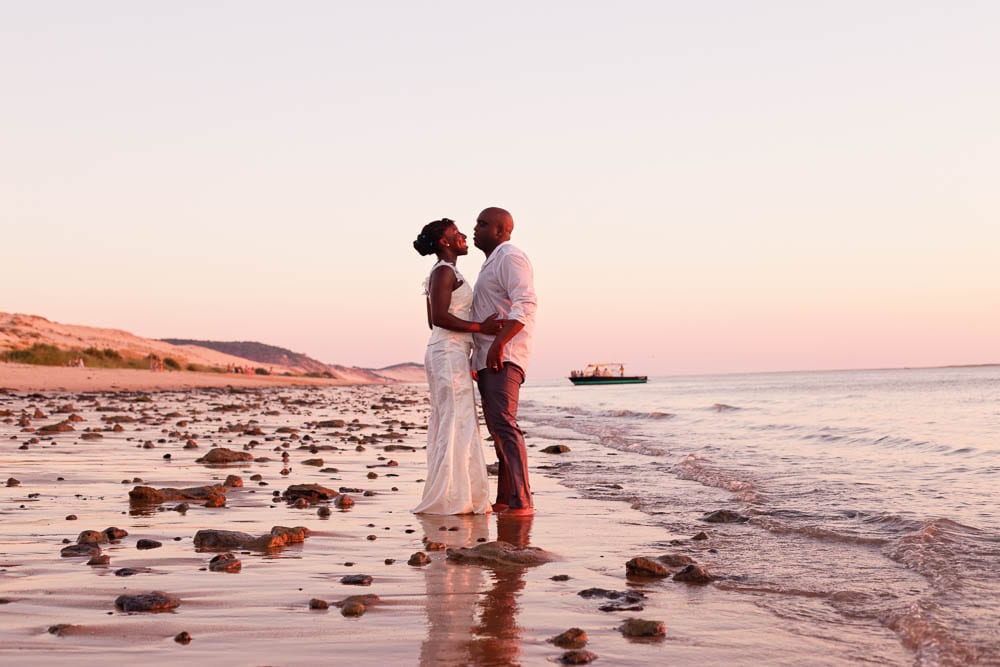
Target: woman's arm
443	282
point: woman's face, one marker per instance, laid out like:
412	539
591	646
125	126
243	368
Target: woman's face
455	240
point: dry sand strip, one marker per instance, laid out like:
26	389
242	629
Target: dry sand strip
27	377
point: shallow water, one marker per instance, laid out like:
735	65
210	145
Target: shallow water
870	495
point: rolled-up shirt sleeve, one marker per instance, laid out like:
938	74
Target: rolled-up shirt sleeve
517	276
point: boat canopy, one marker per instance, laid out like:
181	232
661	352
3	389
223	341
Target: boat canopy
606	369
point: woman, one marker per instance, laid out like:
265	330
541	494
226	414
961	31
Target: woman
456	470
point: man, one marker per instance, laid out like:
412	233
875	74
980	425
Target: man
505	286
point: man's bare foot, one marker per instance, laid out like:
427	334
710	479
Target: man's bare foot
500	507
518	511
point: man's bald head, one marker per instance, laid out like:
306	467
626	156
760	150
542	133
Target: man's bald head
493	227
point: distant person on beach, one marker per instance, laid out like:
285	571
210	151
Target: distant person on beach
456	468
506	287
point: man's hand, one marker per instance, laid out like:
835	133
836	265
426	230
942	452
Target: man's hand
494	357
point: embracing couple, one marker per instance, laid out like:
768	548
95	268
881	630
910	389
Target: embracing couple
483	331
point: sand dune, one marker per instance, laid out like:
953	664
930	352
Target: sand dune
19	331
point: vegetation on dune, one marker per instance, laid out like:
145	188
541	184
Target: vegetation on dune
201	368
261	353
44	354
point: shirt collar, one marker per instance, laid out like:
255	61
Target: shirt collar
494	254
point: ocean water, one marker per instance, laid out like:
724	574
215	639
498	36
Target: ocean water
871	497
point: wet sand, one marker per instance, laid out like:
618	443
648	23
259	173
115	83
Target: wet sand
60	610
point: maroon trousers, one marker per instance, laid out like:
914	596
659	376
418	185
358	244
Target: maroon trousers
500	391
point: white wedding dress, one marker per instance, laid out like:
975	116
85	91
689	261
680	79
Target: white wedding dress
456	468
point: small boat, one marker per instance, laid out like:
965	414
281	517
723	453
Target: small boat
611	373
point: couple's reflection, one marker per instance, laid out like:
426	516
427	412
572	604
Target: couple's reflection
472	609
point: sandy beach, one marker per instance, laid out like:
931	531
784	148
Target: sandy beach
361	442
31	378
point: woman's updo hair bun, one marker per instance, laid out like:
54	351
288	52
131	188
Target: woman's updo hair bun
427	241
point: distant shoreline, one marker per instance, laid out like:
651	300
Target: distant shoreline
28	377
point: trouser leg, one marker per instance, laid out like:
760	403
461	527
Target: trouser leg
500	391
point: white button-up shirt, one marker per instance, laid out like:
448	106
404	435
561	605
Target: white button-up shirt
505	286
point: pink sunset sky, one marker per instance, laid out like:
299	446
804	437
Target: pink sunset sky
702	188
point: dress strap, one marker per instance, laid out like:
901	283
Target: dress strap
441	262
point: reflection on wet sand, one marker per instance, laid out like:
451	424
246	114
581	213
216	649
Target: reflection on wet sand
451	590
454	593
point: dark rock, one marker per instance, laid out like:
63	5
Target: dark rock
418	559
130	571
313	493
227	540
149	495
572	638
501	553
323	512
223	456
353	608
233	481
92	537
611	595
560	577
227	562
675	560
148	544
645	567
80	551
356	580
156	601
356	605
71	517
637	627
621	605
294	535
694	574
724	516
59	427
115	534
183	638
316	603
13	482
577	657
313	462
102	559
700	536
555	449
344	502
620	600
63	629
